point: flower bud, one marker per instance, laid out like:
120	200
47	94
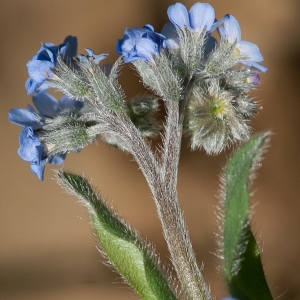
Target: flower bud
253	79
212	119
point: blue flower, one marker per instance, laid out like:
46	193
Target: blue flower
40	65
172	38
91	56
201	16
49	107
231	33
140	44
31	148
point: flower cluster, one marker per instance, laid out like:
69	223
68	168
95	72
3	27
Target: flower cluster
210	80
32	149
219	76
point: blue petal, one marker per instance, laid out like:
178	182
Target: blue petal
218	24
255	65
149	28
119	46
210	44
66	103
31	109
157	38
31	85
24	117
222	33
71	41
62	52
178	15
232	29
145	48
90	52
82	58
57	159
202	16
250	50
135	33
126	45
23	135
42	53
38	70
38	168
99	57
30	145
45	103
172	39
142	51
51	51
131	36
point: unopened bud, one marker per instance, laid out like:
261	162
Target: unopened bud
213	121
253	79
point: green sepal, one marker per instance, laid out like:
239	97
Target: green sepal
240	253
161	77
105	89
132	257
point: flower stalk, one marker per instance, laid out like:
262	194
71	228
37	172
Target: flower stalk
161	175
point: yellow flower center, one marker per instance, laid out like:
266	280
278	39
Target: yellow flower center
218	108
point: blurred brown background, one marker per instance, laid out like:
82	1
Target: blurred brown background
47	250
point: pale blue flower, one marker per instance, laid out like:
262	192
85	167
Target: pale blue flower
40	65
200	17
31	148
230	32
140	44
172	38
91	56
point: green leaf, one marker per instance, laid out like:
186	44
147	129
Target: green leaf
241	257
121	245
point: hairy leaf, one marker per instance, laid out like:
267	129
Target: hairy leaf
122	246
240	253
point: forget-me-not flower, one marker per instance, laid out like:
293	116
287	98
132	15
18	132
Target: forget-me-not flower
230	31
40	65
140	44
31	148
91	56
201	16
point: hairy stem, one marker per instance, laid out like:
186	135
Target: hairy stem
162	180
161	175
174	227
